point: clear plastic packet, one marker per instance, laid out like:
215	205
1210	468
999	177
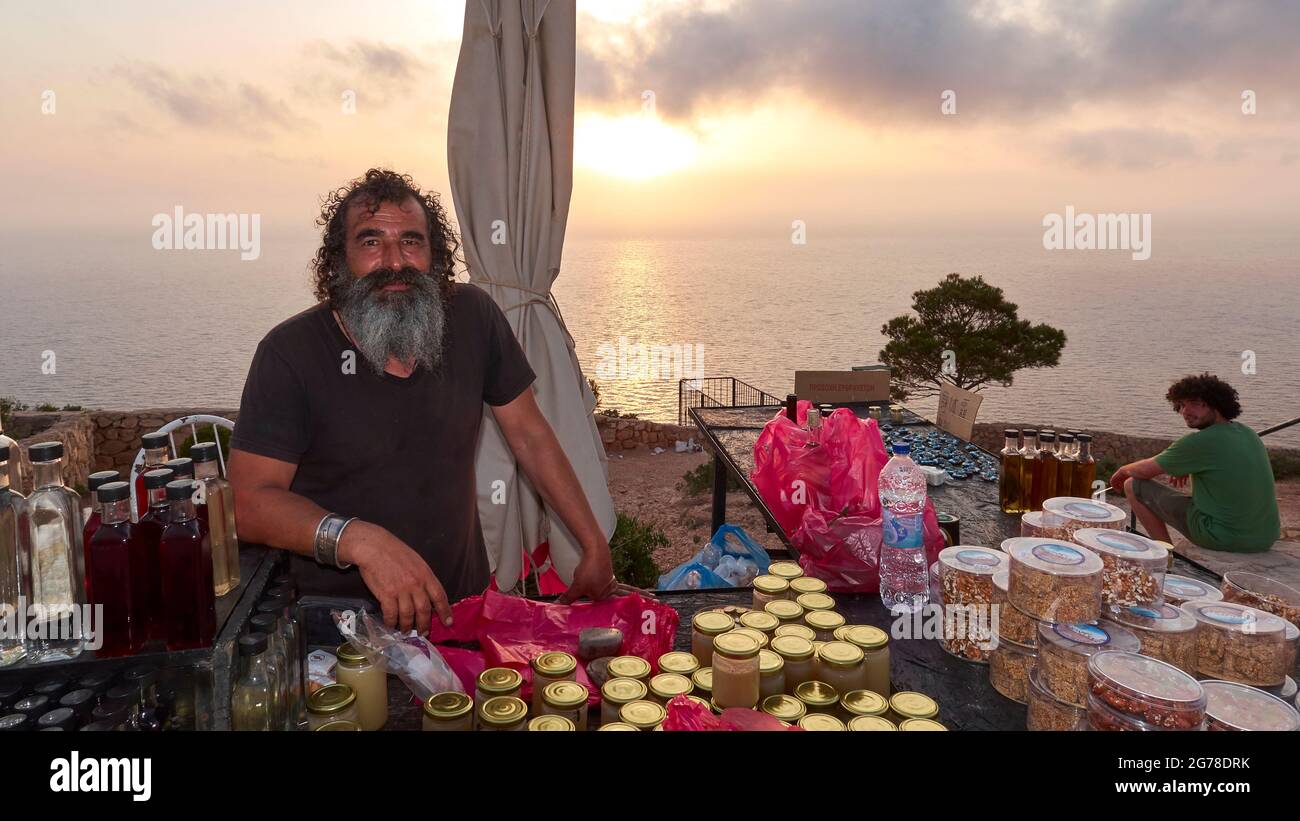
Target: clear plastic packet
409	656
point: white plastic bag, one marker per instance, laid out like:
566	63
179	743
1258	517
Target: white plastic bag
410	657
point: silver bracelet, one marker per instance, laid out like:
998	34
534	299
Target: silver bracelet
328	535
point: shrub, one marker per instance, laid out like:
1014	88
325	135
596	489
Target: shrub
700	480
8	407
46	407
223	436
1285	465
632	550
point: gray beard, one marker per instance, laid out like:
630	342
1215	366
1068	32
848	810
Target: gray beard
405	325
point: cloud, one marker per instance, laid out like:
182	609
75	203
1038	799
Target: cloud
884	61
208	102
379	73
1129	148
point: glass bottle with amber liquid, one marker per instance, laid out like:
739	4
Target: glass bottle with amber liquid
214	492
1028	466
1085	468
1066	459
1045	470
1012	470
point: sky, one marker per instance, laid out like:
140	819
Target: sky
694	117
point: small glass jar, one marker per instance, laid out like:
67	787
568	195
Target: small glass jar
803	631
703	681
821	721
769	588
761	621
735	670
919	724
339	725
824	623
551	722
818	697
503	713
666	686
630	667
568	699
616	693
907	705
784	707
796	653
771	674
864	703
874	644
806	584
448	711
757	635
618	726
787	612
332	702
681	663
705	626
550	668
868	723
785	570
896	414
840	665
497	681
370	683
815	601
643	715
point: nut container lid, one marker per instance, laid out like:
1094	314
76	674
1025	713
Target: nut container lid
1088	639
1079	509
1123	545
1052	556
1156	618
972	560
1237	618
1232	706
1146	680
1179	589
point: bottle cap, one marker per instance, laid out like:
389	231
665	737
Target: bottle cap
1067	437
45	451
1083	437
204	452
253	644
183	466
1010	432
272	604
263	623
60	718
15	721
97	681
1047	436
154	441
180	490
158	478
52	687
128	694
100	478
143	676
113	492
110	710
902	448
1030	432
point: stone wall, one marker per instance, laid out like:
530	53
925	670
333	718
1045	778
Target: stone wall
629	434
73	429
117	433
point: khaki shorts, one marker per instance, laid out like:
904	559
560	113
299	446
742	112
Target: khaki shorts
1171	506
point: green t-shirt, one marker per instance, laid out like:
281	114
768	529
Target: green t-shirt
1234	504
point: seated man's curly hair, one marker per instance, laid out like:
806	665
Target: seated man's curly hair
1208	388
378	186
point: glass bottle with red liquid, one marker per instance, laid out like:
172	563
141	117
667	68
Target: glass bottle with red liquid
150	527
93	483
156	449
189	606
116	558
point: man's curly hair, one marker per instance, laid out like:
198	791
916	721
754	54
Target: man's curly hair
1208	388
378	186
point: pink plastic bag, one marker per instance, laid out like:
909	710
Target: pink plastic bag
844	551
685	714
510	631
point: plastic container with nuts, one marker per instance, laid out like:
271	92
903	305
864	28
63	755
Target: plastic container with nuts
1133	566
1011	622
966	579
1241	644
1064	650
1076	513
1010	665
1101	717
1167	633
1047	712
1054	581
1262	593
1182	589
1039	525
1147	689
1232	706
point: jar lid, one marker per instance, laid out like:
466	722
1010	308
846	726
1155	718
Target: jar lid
913	705
1238	707
666	685
447	706
757	635
629	667
700	701
819	722
1156	618
978	561
784	609
551	723
823	619
350	656
1237	618
565	695
502	711
865	723
816	693
865	703
339	725
1080	509
771	585
759	620
642	714
1183	589
712	622
1121	544
1143	678
793	648
807	584
1053	556
618	726
623	690
921	724
784	707
802	631
554	663
331	699
785	570
678	662
737	645
840	654
866	636
815	601
703	679
769	662
499	680
1087	639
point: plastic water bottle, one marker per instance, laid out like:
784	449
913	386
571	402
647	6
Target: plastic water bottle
904	579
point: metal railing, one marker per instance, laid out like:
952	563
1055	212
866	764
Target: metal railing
1279	426
719	392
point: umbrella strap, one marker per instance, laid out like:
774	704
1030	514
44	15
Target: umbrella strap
545	298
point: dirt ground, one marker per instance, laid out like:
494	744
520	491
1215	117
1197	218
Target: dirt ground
647	486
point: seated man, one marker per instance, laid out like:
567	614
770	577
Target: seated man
1233	505
354	448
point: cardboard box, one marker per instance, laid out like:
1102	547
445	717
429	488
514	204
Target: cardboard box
842	386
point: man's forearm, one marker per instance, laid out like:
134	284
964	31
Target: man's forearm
279	518
1142	469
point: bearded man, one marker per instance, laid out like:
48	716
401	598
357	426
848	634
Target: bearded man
354	447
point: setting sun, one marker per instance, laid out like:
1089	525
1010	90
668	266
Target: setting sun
636	147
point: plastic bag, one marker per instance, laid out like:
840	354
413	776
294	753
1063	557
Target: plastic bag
844	551
411	657
685	714
730	559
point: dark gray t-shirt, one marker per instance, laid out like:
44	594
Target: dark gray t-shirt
398	452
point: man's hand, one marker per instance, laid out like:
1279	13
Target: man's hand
398	577
593	578
1117	479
